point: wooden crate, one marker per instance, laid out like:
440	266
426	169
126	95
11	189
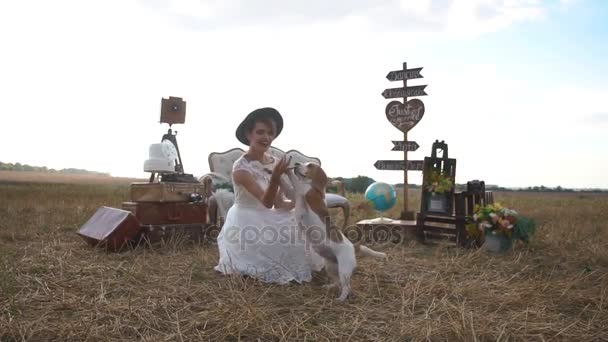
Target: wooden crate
453	227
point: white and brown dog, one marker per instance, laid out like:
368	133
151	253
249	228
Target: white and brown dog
309	181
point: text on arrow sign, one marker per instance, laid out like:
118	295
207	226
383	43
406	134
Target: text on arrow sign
412	165
399	75
405	146
392	93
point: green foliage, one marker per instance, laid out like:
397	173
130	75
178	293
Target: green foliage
358	184
25	167
439	183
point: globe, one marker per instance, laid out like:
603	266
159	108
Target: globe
381	195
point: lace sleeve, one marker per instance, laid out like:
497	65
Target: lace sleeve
242	164
255	169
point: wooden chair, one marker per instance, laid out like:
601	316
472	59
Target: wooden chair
220	176
450	222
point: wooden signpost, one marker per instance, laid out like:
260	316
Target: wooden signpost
404	116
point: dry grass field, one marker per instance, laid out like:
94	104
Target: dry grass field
54	287
63	178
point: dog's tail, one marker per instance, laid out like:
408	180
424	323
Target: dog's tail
369	252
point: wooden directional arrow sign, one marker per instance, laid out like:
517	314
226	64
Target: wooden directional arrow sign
412	165
405	146
399	75
403	92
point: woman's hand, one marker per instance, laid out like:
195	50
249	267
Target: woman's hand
267	196
280	169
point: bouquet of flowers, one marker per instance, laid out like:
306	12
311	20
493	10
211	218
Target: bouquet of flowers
438	182
498	220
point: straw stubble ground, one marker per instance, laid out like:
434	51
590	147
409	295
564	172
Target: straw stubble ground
54	287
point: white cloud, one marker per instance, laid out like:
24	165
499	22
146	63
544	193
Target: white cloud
472	18
468	18
418	7
596	118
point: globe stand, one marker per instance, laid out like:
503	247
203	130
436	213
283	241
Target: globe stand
381	219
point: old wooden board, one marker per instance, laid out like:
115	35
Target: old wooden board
411	165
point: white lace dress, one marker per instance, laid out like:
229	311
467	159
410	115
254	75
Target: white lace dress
260	242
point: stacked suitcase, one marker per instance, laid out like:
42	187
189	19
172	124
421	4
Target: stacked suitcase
168	210
156	212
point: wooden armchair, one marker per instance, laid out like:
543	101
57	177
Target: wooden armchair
220	196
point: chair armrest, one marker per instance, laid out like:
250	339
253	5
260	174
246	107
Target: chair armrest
211	179
207	182
334	201
340	186
215	177
337	201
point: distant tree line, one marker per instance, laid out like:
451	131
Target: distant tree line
360	183
541	188
356	185
536	188
25	167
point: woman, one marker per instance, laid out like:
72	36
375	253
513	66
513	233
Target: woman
259	237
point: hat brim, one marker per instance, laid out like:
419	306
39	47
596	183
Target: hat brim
267	112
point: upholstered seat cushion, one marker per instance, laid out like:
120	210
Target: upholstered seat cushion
334	200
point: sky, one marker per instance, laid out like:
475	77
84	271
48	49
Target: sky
518	89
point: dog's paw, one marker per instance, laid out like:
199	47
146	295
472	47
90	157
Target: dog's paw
345	295
340	299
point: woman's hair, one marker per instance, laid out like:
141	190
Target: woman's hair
265	120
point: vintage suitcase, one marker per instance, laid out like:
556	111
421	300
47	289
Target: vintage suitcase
165	191
157	213
110	228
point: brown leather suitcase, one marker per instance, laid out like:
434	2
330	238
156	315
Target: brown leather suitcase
110	228
164	191
156	213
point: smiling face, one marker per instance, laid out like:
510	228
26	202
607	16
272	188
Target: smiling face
300	171
261	135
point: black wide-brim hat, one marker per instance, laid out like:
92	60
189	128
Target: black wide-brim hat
267	112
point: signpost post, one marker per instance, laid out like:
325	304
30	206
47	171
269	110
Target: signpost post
404	116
